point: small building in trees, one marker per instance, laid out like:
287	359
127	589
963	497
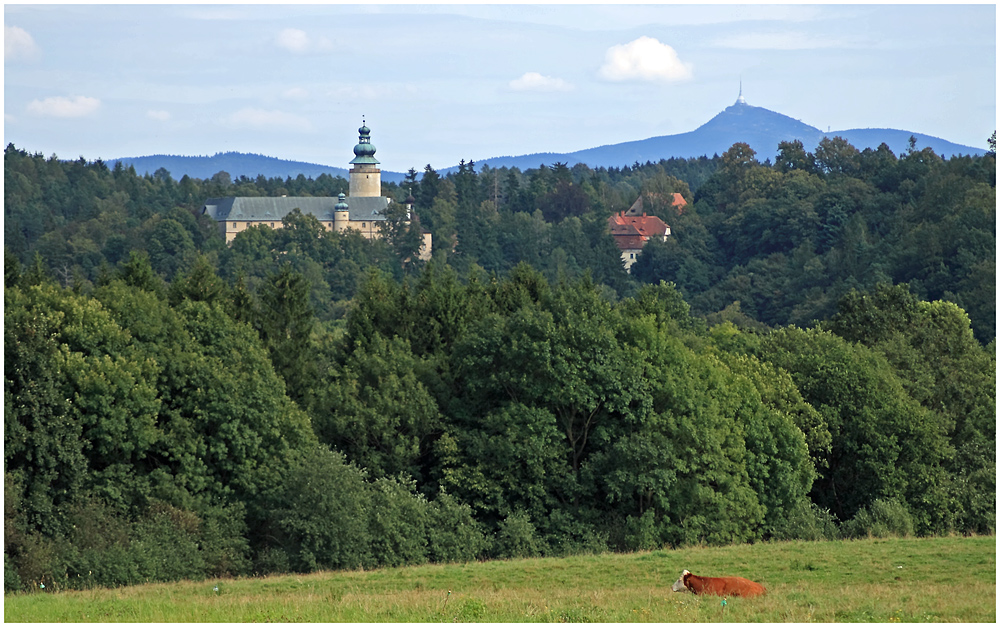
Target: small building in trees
364	209
631	232
676	201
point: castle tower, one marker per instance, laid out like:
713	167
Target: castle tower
366	178
341	214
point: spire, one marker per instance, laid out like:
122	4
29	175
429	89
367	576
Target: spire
364	152
740	99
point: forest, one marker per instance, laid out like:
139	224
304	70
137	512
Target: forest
811	354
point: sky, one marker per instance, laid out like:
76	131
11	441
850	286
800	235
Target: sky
444	82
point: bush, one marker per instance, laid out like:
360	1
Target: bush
318	514
11	580
397	523
517	537
223	541
807	521
642	533
567	534
165	545
271	560
880	519
453	535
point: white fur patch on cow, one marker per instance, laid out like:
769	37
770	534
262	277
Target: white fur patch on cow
679	584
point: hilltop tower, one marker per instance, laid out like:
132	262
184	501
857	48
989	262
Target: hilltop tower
366	178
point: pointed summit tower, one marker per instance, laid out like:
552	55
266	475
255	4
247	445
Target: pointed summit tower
741	100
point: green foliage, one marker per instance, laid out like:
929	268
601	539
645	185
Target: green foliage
807	521
453	535
882	518
318	513
397	523
376	410
884	444
305	399
517	537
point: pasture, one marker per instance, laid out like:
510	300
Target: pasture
950	579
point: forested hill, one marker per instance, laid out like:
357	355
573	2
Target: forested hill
761	128
235	164
811	354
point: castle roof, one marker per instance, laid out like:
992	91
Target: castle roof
270	208
364	152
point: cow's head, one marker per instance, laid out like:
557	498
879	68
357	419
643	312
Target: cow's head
680	585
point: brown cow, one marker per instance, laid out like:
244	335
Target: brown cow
721	586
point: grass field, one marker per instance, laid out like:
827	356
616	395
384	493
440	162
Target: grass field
899	580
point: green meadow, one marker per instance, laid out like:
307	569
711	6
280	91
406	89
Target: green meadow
945	579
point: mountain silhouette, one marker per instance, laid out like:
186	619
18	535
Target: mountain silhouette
761	128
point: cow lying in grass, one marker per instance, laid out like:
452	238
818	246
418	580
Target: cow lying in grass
721	586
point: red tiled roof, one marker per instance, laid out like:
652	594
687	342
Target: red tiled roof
631	232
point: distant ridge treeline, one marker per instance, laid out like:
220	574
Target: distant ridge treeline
236	164
758	127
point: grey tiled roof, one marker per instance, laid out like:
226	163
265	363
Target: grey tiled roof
269	208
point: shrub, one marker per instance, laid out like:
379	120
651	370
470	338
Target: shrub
807	521
318	514
642	532
271	560
397	523
517	537
11	580
453	535
223	541
882	518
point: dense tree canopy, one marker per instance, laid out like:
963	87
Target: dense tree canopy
810	354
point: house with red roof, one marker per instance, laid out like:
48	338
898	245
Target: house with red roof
631	232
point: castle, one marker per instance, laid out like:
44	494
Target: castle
363	210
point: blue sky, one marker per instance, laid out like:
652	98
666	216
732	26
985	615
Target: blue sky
440	83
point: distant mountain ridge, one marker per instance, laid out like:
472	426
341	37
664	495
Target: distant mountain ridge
761	128
236	164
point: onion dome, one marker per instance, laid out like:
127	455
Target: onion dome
410	199
364	152
341	203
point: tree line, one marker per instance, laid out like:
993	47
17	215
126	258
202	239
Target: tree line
305	399
157	432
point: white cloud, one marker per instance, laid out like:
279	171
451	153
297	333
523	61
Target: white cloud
159	116
533	81
293	40
295	93
18	44
62	107
644	59
299	42
778	41
260	119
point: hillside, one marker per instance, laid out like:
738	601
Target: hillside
874	580
761	128
236	164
